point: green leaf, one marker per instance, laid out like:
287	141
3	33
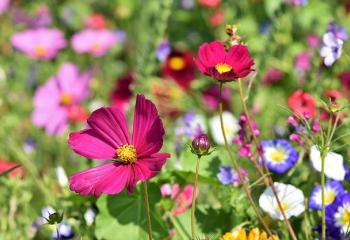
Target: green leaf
123	216
271	6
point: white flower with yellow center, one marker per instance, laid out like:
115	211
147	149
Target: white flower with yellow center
291	199
231	128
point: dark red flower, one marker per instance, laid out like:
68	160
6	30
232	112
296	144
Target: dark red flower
345	80
122	92
302	103
214	61
179	66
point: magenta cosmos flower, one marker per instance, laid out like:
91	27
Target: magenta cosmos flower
56	102
94	42
133	158
40	43
214	61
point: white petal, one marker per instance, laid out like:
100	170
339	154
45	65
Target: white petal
231	125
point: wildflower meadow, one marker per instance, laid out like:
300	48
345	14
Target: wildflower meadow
175	119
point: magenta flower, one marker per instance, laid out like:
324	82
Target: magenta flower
43	43
55	100
94	42
133	158
4	5
302	61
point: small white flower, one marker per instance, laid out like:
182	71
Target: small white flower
47	211
331	49
231	127
333	165
89	216
61	176
291	198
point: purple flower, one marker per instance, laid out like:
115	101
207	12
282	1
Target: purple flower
338	216
279	155
65	231
338	31
42	17
296	2
190	125
332	190
163	50
42	43
227	176
331	49
61	93
4	5
94	42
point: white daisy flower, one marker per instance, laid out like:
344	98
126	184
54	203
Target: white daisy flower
334	167
231	128
291	198
61	176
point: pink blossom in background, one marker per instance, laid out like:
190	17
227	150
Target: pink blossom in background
42	43
211	97
302	61
57	101
4	5
41	18
272	76
96	21
123	92
209	3
313	40
182	197
133	158
94	42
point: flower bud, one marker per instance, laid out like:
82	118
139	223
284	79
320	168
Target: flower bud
201	145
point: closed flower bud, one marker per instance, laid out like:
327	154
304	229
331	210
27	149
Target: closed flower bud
201	145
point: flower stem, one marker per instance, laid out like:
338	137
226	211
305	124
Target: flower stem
149	226
323	156
236	167
193	207
269	181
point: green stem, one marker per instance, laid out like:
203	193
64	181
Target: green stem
269	181
149	226
193	207
245	184
323	156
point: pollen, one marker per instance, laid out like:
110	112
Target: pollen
66	99
176	63
277	155
40	51
223	68
126	153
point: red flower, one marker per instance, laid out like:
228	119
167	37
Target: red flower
215	62
4	166
217	18
180	67
302	103
96	21
76	113
122	92
345	80
209	3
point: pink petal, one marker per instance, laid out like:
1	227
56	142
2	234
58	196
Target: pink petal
212	53
238	57
148	131
88	144
110	126
151	165
110	178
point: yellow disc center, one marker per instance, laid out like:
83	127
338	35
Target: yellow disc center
66	99
277	155
346	217
126	153
223	68
176	63
329	197
283	205
40	51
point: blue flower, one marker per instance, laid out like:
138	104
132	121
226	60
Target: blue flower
64	230
338	31
332	190
338	217
227	175
279	155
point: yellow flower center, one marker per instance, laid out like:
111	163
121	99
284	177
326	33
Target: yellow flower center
66	99
346	217
283	205
176	63
223	68
277	155
40	51
126	153
329	197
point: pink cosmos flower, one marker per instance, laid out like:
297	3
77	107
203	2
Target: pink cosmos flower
42	43
182	197
132	157
55	103
94	42
302	61
214	61
4	5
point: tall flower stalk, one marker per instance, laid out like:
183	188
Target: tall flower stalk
268	180
236	167
148	214
193	207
